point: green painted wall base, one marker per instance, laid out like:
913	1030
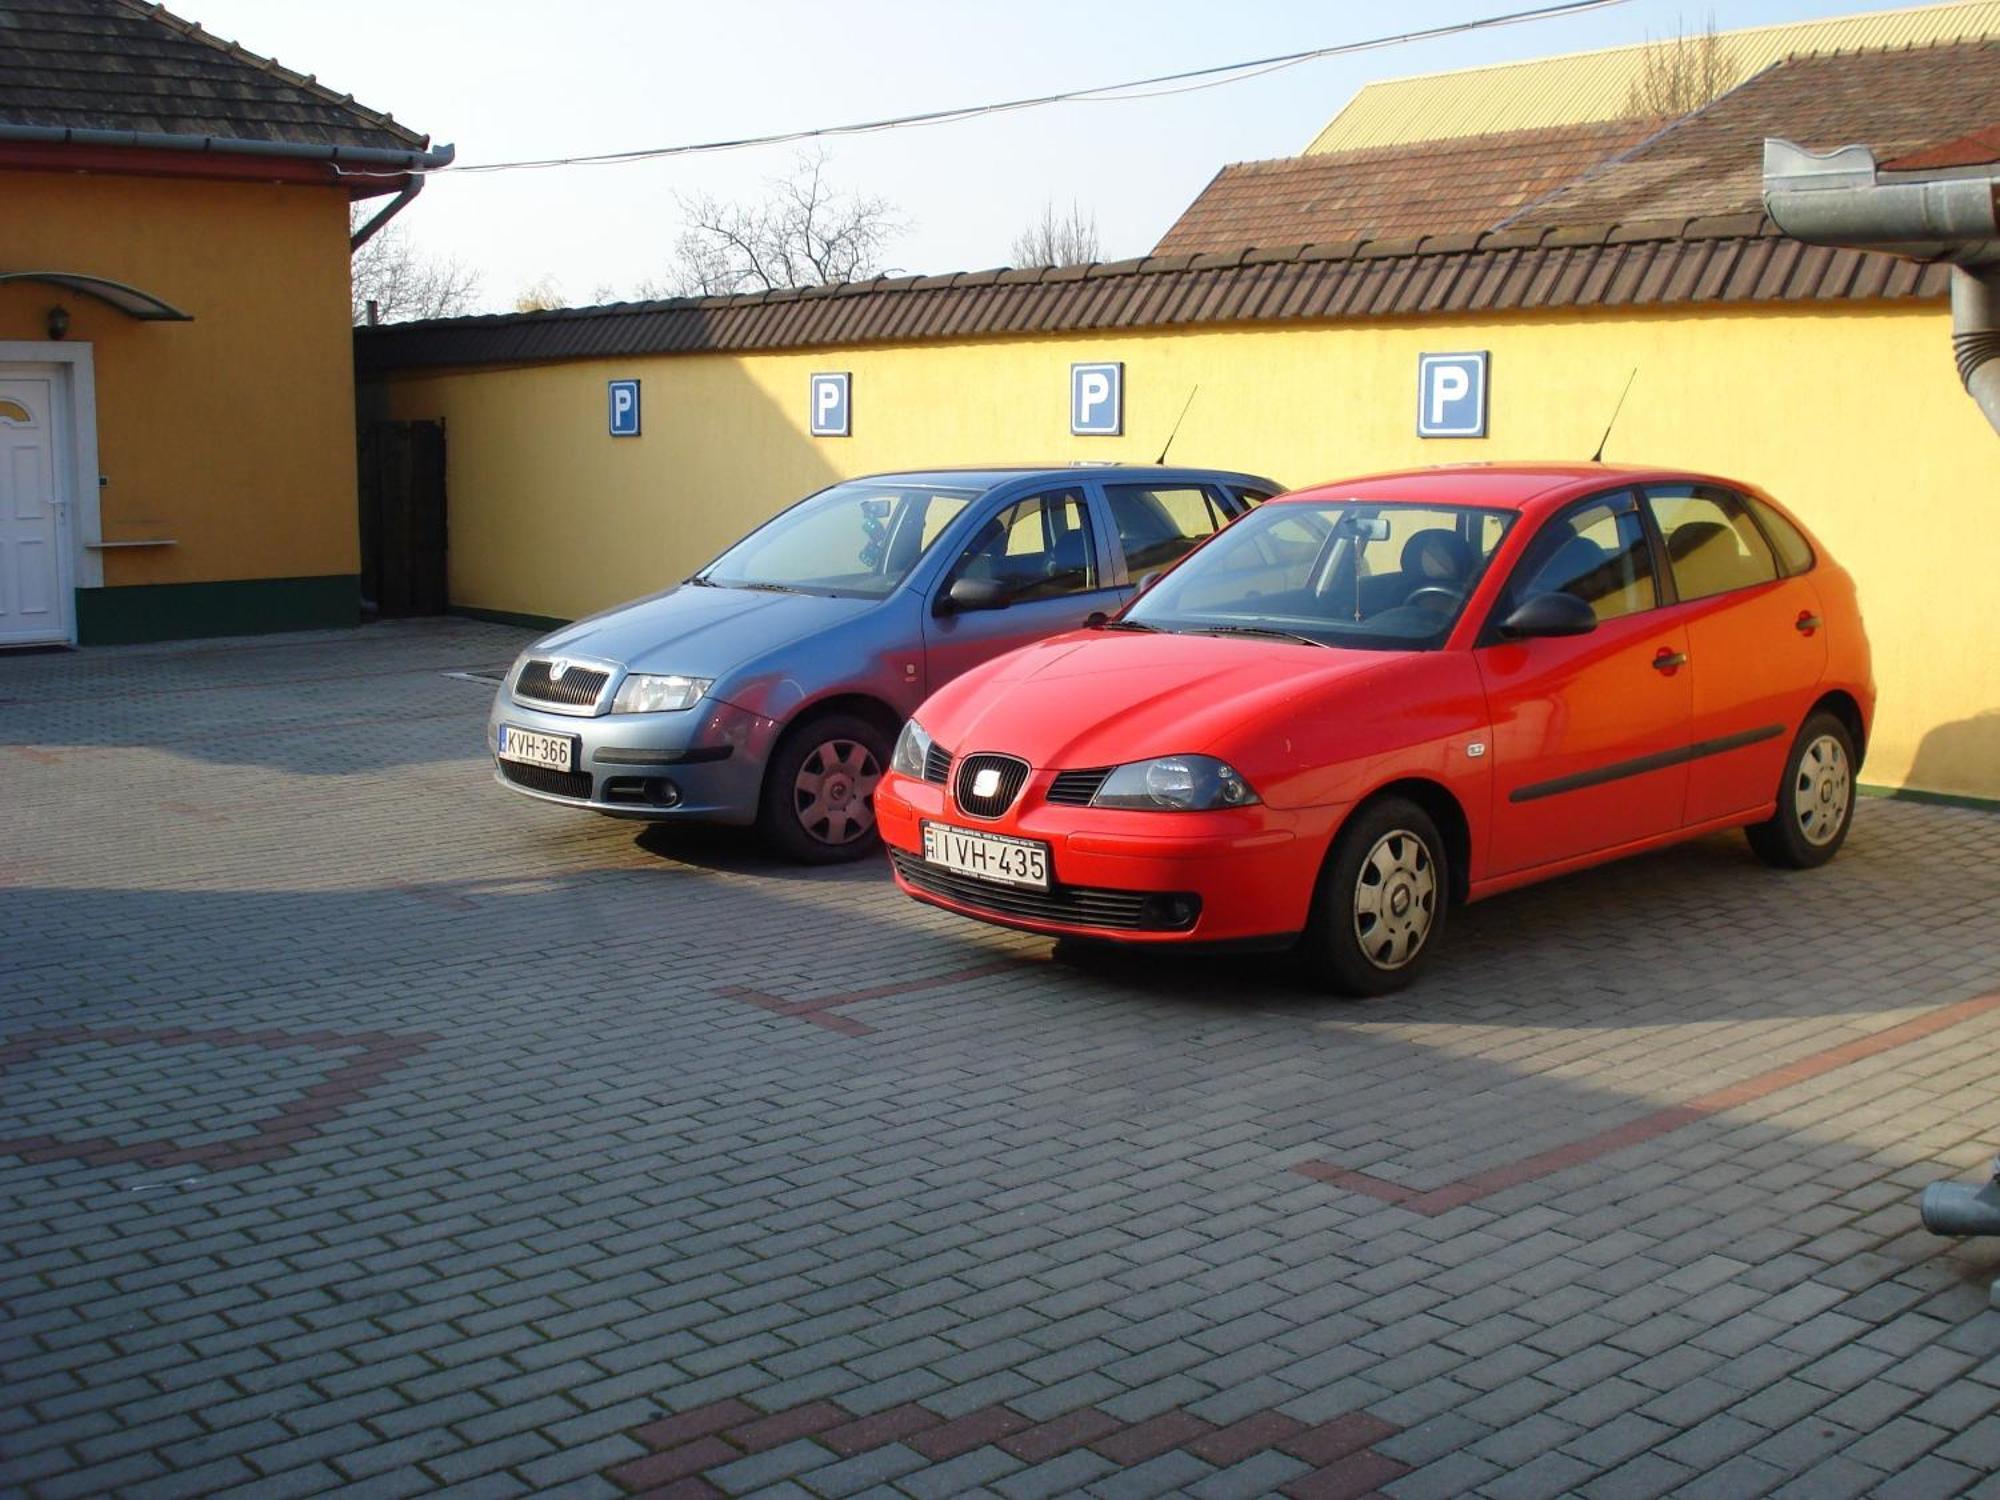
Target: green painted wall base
509	617
249	606
1935	799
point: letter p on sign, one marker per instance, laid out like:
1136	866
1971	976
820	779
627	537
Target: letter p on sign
831	411
1097	400
1451	395
624	408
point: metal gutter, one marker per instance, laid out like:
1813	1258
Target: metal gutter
1844	198
389	211
361	156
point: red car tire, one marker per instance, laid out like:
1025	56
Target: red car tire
1382	900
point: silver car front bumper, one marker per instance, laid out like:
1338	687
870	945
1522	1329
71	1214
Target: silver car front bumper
705	764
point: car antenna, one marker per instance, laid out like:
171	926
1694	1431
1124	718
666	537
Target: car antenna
1598	456
1177	424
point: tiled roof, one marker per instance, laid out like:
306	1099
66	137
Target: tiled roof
1583	86
1437	187
1739	259
122	65
1979	149
1712	161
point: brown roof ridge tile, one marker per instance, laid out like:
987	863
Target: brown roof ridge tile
193	30
1725	226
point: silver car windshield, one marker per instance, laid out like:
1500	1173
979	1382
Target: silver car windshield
860	538
1355	573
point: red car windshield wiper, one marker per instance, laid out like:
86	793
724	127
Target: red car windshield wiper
1265	630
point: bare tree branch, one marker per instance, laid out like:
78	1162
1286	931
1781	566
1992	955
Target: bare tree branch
402	281
803	233
1679	75
1053	241
541	295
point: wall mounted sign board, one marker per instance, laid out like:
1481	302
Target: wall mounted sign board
1097	400
1451	395
830	398
624	395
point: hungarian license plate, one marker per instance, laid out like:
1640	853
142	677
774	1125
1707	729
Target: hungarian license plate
552	752
988	856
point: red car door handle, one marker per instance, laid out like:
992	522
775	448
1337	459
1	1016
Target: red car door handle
1807	622
1669	660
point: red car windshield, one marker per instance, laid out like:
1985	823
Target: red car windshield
1354	573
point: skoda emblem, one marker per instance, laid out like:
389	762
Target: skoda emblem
986	783
557	667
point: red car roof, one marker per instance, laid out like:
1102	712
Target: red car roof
1499	486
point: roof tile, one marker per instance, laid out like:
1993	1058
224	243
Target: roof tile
123	65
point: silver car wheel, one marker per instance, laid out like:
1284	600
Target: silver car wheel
1822	790
834	795
1395	899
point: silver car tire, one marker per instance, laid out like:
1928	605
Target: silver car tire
818	805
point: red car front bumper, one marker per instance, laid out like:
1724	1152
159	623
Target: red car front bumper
1135	877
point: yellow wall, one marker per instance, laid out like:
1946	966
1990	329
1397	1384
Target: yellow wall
233	434
1851	415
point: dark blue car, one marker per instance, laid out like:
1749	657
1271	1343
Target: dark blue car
769	687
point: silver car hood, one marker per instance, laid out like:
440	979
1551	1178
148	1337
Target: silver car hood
700	631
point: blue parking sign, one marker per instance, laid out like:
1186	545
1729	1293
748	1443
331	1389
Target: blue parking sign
1451	395
624	408
1097	400
828	398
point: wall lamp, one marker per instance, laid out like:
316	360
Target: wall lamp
57	321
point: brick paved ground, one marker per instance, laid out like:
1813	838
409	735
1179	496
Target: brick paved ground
369	1129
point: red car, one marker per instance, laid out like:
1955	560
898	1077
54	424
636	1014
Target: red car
1366	701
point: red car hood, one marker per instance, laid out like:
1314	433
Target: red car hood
1100	698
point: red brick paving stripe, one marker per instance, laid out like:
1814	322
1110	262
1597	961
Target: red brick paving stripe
788	1425
1661	1122
297	1120
683	1462
1337	1439
880	1430
682	1489
1073	1429
692	1442
817	1010
1347	1479
1152	1437
1236	1442
701	1421
973	1430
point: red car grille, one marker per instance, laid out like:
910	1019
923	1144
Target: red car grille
1071	905
1008	775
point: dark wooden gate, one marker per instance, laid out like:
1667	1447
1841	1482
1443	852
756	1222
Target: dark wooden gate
403	518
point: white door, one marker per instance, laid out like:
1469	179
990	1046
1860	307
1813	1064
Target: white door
32	607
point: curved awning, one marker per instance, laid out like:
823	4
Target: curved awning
127	299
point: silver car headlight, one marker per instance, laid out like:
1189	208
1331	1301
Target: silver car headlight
1175	783
913	749
644	694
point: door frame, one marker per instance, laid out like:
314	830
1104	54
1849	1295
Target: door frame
73	371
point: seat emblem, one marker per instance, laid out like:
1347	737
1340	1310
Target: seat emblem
557	668
986	782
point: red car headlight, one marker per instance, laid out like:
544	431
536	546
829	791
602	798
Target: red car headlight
1175	783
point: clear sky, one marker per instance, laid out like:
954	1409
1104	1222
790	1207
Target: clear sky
506	79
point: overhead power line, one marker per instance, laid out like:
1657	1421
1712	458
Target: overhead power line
1111	93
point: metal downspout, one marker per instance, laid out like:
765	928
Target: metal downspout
394	206
1975	335
1843	198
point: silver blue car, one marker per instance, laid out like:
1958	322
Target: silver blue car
769	687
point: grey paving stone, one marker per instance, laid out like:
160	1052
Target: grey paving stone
606	1188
